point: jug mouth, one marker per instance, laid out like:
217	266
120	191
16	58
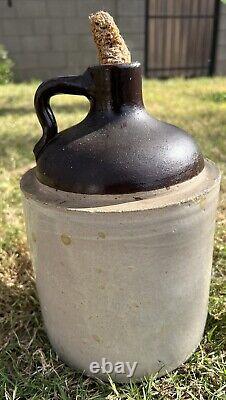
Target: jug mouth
116	85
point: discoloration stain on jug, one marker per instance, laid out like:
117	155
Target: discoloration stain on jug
33	237
96	338
102	287
133	305
65	239
201	201
99	270
101	235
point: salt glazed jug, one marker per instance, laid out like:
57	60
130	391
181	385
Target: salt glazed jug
120	216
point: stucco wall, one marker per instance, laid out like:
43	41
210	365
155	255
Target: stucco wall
52	37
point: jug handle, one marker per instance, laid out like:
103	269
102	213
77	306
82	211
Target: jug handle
77	85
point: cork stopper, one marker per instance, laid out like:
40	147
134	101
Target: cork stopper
110	44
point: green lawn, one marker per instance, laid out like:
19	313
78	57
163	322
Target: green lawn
29	368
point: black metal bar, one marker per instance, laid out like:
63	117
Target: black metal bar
180	45
214	38
189	7
198	30
172	44
164	9
156	47
146	38
205	39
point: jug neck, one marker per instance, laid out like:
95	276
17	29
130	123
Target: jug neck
116	87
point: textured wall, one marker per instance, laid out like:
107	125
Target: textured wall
46	38
221	43
52	37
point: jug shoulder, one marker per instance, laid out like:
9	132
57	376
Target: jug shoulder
129	153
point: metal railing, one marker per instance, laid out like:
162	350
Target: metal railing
181	37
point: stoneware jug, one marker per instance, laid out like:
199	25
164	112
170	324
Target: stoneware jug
120	215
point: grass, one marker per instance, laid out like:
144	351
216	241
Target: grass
29	368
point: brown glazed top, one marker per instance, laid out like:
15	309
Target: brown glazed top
118	147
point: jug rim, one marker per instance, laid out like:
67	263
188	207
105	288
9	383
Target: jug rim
134	64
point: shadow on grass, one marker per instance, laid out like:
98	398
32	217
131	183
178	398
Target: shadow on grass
215	330
66	109
216	97
19	305
19	146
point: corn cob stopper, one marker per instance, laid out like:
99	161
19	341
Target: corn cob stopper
110	44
